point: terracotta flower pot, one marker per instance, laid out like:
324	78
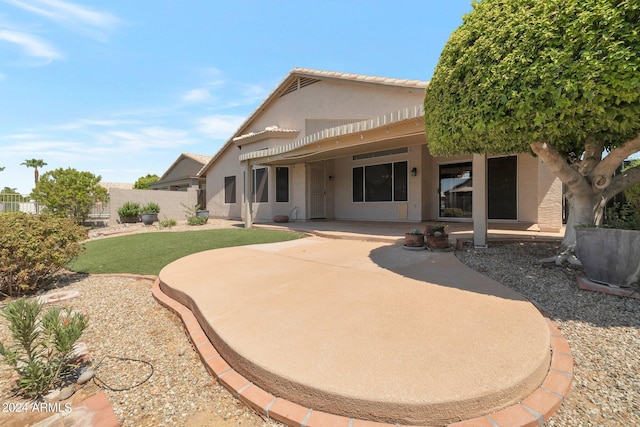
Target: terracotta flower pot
414	240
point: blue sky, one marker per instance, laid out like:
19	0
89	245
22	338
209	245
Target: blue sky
121	88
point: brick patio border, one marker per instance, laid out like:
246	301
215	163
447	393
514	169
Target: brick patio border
534	410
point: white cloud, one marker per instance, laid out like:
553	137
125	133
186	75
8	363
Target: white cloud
77	17
197	95
145	138
220	126
32	45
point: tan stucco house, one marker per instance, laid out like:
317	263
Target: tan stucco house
187	171
352	147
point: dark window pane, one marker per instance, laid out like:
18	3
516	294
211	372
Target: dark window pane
378	183
229	189
260	185
400	181
502	191
282	184
358	181
456	190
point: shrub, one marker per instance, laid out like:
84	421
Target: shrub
42	351
632	193
128	211
624	216
69	193
167	223
33	248
197	220
191	213
150	208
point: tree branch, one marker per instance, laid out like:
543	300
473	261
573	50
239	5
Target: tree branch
592	156
621	181
556	163
614	159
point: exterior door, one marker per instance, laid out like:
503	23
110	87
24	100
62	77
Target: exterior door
317	193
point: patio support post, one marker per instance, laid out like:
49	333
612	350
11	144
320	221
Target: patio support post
480	200
248	191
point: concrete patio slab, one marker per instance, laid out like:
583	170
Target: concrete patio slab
365	330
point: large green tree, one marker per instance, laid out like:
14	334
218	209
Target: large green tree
69	193
557	78
144	182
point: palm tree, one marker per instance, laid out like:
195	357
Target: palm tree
35	164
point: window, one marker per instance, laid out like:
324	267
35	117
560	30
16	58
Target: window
282	184
229	189
260	185
385	182
456	190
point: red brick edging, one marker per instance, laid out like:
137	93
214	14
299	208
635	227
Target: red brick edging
534	410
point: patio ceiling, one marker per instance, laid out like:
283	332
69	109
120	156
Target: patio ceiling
399	129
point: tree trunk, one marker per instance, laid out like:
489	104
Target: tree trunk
584	209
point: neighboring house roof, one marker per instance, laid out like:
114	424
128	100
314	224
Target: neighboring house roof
199	158
308	76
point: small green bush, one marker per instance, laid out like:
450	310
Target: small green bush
42	351
197	220
150	208
33	248
129	209
167	223
624	216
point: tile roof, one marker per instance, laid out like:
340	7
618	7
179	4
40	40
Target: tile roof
359	78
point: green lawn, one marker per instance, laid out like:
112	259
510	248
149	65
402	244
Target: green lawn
148	253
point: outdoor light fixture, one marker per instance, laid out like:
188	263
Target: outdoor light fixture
414	171
331	178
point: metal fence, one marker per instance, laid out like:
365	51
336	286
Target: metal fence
23	203
16	203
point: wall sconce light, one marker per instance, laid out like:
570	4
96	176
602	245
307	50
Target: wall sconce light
331	178
414	171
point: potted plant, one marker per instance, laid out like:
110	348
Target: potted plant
150	213
195	216
436	236
414	238
610	254
129	212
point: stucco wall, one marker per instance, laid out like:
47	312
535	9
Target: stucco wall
170	202
227	165
410	210
326	100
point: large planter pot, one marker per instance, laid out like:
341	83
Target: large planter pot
609	255
438	242
413	240
129	219
148	218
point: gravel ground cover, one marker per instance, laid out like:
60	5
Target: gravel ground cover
603	331
126	322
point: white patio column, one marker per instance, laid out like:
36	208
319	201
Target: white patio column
248	191
480	200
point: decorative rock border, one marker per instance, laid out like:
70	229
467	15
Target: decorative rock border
534	410
588	285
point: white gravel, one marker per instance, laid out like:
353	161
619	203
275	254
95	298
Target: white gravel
603	331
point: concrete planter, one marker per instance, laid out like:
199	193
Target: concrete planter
148	218
609	255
